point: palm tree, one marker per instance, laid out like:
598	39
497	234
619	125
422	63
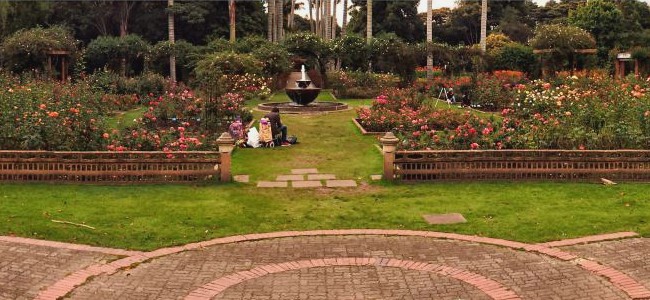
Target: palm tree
172	40
484	8
429	39
334	6
345	17
279	21
231	10
292	12
369	22
328	26
311	16
318	19
271	20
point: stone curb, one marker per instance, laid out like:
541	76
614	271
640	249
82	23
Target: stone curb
69	246
590	239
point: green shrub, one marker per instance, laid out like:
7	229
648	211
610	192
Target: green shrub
514	56
110	51
27	49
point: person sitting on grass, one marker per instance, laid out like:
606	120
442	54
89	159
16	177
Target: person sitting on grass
277	127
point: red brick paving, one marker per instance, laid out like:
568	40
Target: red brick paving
26	268
270	265
629	256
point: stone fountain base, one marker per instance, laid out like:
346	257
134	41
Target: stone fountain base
314	107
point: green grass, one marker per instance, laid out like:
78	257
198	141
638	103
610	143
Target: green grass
125	119
154	216
329	142
149	217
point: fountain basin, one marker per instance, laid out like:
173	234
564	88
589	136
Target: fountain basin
302	96
313	107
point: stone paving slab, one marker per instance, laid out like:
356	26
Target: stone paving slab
241	178
304	171
306	184
321	176
341	183
452	218
375	177
271	184
289	177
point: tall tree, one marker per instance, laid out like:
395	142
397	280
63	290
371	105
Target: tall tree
484	8
429	39
344	25
271	20
397	16
369	21
233	20
279	21
172	40
600	18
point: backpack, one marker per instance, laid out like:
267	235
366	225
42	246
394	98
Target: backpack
266	135
292	139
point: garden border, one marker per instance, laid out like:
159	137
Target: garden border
556	165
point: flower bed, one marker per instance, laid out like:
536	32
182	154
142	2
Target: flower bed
72	117
572	113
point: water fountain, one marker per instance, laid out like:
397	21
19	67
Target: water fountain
302	92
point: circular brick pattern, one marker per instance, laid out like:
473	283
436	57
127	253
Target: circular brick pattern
530	271
490	287
353	282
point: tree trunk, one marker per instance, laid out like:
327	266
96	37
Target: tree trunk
327	23
369	22
291	14
334	6
311	16
345	18
279	14
271	20
484	8
172	40
429	39
125	12
233	21
318	19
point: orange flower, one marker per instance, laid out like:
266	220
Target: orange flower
53	114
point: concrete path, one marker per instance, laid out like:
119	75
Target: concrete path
334	264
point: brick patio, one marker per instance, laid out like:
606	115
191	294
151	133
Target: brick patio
334	264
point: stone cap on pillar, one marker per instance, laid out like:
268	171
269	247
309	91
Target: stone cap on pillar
389	142
226	143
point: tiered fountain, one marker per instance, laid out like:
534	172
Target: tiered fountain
302	93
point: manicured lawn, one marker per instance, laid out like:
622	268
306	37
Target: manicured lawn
125	119
149	217
154	216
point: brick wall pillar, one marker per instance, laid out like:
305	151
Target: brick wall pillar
226	145
389	144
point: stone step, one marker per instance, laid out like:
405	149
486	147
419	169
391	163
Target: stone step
271	184
321	176
341	183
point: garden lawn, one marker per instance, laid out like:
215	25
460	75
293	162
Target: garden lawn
153	216
125	119
329	142
150	217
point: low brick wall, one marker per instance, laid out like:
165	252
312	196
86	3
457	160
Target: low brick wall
131	167
560	165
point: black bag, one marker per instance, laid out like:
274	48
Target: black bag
292	139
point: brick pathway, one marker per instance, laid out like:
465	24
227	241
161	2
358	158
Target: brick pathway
26	268
336	264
